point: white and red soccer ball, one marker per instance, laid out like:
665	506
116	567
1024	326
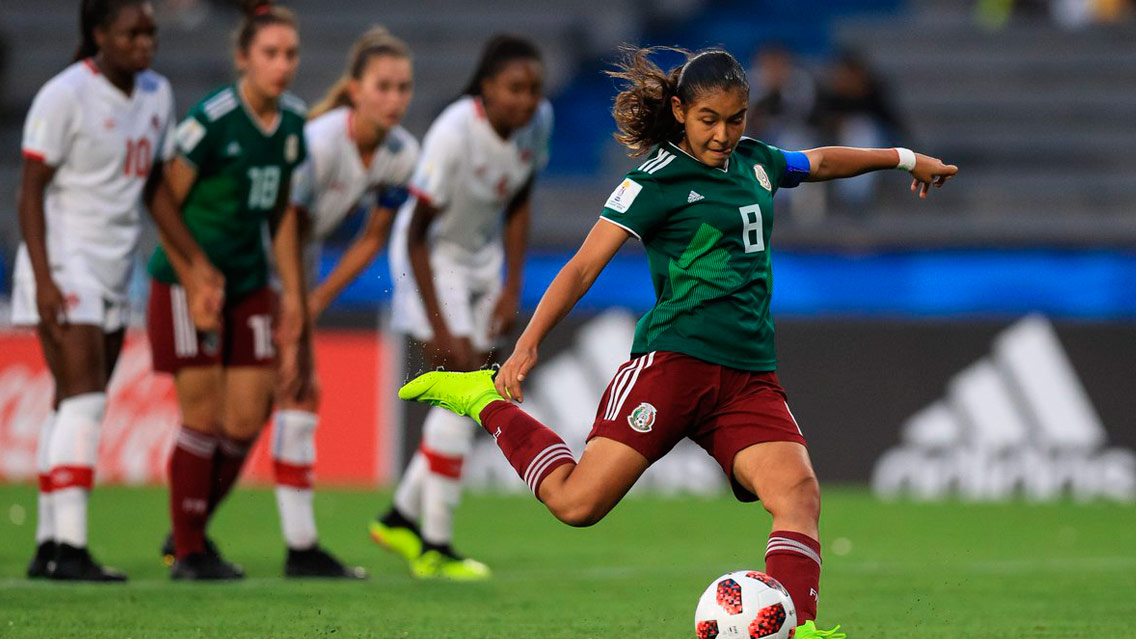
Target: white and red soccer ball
746	604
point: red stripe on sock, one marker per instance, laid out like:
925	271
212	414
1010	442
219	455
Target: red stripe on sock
444	465
72	477
796	570
294	475
45	482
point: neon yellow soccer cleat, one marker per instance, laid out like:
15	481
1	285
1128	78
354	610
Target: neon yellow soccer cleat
434	564
403	542
808	630
461	393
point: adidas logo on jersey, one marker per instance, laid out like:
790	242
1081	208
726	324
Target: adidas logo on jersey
1017	422
693	197
233	150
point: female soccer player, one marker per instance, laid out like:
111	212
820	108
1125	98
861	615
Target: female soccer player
237	149
703	359
357	154
469	215
95	135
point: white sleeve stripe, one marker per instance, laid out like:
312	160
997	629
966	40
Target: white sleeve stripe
622	227
658	156
661	165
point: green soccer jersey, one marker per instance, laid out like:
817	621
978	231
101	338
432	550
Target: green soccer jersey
241	169
706	231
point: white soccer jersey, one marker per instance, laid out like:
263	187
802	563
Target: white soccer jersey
469	173
103	144
333	180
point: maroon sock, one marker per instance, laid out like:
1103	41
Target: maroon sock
191	469
532	448
229	459
793	559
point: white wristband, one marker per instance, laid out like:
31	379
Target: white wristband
906	159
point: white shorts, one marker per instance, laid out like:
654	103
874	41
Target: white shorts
85	305
467	296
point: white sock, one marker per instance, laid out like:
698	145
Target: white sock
72	454
45	513
446	440
408	495
294	454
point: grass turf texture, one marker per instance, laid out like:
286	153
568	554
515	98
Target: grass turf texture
912	570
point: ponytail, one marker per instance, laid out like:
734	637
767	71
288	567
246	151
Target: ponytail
96	14
643	112
375	42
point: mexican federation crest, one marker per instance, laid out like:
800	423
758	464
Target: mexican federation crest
642	418
762	177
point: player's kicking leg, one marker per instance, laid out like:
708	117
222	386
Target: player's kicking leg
576	494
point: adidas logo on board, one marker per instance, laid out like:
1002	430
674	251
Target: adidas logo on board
1015	423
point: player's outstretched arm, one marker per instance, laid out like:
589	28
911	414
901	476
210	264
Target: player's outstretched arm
517	219
566	289
362	251
835	162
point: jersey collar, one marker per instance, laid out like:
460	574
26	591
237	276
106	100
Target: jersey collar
252	116
723	169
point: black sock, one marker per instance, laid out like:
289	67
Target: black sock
446	549
395	519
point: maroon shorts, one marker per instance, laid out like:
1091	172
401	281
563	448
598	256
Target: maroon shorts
245	338
656	400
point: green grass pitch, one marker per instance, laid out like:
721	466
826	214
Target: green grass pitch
925	571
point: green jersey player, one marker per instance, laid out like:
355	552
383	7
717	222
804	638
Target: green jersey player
237	149
703	360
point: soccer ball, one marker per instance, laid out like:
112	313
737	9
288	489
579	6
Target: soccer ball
746	604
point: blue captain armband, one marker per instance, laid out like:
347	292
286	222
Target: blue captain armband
392	197
796	169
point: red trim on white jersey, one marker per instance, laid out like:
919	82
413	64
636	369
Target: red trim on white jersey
479	108
351	124
91	66
33	155
421	195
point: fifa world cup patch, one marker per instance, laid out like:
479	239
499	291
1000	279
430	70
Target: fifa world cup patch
642	418
623	195
188	134
762	177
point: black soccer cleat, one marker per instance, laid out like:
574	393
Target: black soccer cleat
40	565
317	562
76	564
200	566
169	552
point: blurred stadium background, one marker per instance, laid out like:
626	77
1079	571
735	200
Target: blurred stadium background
977	345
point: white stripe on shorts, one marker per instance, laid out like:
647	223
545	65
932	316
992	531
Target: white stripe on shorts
185	335
646	360
617	386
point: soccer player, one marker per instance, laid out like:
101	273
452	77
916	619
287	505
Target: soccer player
237	149
703	358
95	135
469	216
357	155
